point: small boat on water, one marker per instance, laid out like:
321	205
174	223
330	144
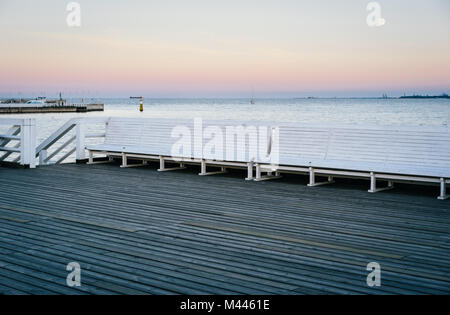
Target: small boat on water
39	101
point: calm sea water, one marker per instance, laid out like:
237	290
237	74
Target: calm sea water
404	112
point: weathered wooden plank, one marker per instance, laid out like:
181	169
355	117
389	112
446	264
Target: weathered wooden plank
228	254
4	290
153	217
18	281
424	219
241	238
117	288
296	240
73	219
14	219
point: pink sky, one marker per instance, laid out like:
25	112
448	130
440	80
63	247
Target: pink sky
214	52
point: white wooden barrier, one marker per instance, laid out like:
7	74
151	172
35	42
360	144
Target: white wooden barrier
155	139
79	137
402	154
23	133
391	154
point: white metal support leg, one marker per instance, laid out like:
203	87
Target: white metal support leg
269	175
373	184
312	179
258	172
249	171
443	194
162	166
144	163
203	171
202	167
124	160
91	159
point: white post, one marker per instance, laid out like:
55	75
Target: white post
32	130
28	143
22	143
81	136
161	163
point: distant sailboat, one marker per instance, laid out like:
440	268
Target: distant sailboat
252	100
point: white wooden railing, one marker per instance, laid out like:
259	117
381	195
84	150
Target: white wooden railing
79	137
19	138
18	143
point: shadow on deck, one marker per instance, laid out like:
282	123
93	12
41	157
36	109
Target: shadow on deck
138	231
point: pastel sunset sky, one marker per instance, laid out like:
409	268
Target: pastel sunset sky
226	48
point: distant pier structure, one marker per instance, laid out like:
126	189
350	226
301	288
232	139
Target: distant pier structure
58	102
72	108
43	105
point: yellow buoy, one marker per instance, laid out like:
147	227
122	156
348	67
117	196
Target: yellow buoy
141	105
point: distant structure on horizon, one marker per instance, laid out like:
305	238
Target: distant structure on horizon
426	96
252	100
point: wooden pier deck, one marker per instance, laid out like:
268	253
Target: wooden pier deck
139	231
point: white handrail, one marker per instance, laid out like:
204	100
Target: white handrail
80	136
22	134
54	137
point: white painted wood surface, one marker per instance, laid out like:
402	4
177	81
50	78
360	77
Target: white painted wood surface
384	153
80	126
23	131
160	136
421	152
